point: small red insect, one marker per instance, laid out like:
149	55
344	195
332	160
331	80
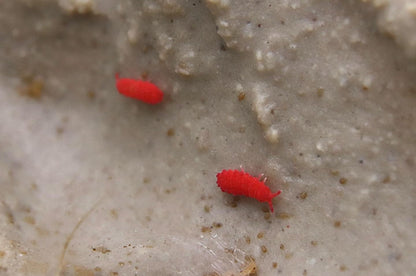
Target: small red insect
140	90
241	183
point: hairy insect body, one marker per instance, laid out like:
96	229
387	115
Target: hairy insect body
241	183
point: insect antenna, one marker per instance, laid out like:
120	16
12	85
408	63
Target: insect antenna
276	193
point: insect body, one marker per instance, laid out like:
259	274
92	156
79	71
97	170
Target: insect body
144	91
241	183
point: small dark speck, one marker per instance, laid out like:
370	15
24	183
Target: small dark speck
318	155
314	19
282	22
223	47
300	154
361	161
170	132
343	180
194	4
342	268
259	25
171	21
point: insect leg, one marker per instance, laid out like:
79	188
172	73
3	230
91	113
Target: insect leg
271	206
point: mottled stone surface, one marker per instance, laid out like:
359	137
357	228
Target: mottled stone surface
319	96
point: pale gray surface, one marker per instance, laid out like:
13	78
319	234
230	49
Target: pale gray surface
95	183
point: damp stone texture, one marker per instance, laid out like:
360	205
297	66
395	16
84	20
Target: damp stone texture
319	96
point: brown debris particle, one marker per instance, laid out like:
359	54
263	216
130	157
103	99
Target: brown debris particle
91	95
337	224
207	209
303	195
305	272
229	250
232	204
59	130
343	180
282	246
33	88
263	249
265	209
9	215
248	240
260	235
205	229
144	75
334	172
2	254
267	216
217	224
314	243
170	132
29	220
320	92
274	264
223	47
283	215
114	213
241	96
342	268
101	249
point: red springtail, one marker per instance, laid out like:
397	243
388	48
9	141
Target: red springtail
144	91
241	183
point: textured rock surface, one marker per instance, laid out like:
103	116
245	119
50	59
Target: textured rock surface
317	95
